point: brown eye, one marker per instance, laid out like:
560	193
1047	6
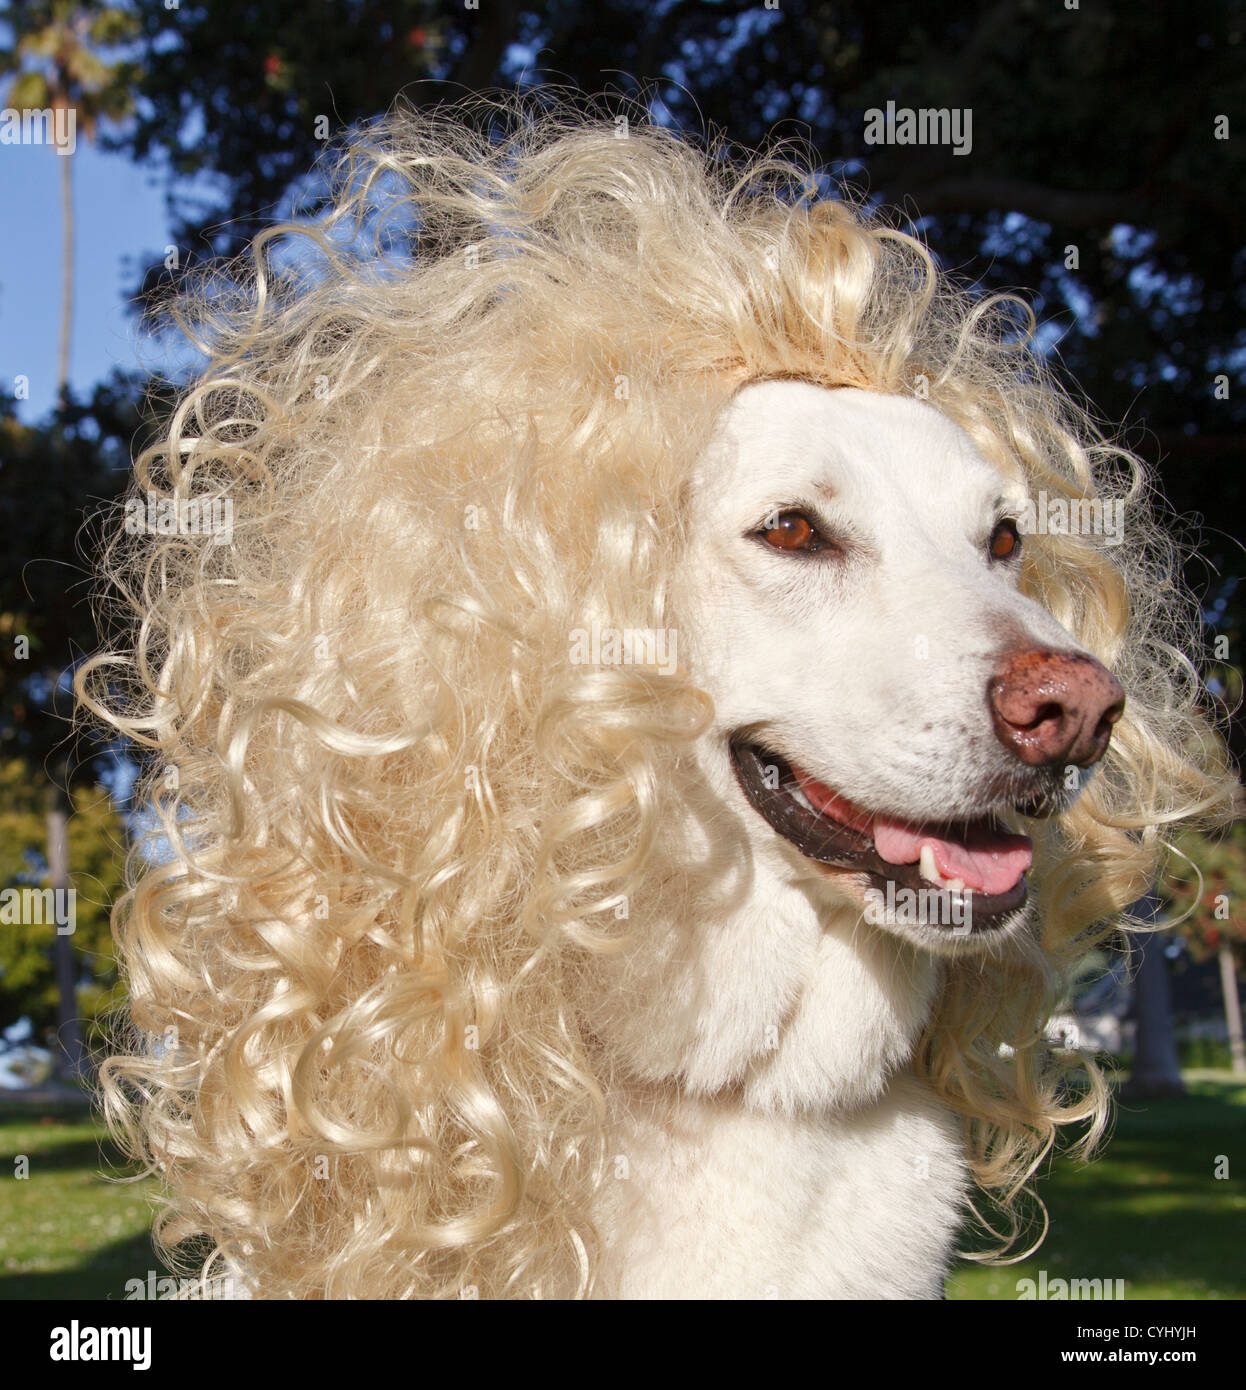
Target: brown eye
1004	540
792	531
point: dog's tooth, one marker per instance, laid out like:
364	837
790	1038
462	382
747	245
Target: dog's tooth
955	885
798	796
927	867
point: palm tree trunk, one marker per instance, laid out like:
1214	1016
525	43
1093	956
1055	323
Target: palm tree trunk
72	1062
67	273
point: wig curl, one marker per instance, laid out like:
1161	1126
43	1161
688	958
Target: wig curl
454	420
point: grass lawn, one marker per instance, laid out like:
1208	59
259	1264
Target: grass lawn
66	1232
1150	1211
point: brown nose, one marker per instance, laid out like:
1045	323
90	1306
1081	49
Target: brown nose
1055	707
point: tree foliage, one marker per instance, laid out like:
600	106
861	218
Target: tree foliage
1215	902
51	478
96	852
58	53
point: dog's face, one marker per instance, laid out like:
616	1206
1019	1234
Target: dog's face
882	692
885	696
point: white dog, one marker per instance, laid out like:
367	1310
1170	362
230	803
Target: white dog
603	743
853	585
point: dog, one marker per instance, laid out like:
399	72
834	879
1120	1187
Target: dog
641	780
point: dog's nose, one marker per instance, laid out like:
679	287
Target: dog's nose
1055	707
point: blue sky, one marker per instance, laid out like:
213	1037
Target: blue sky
120	215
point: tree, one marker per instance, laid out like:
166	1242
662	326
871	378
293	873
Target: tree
1206	887
46	623
28	977
251	93
55	53
1157	1067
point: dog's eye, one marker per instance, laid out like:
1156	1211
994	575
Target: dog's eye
1005	541
791	531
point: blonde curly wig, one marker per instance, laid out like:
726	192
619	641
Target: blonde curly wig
453	421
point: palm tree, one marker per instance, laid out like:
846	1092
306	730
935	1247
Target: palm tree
56	59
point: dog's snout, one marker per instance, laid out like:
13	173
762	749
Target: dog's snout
1055	707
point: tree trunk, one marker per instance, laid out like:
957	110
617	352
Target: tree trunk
1232	1009
71	1064
1157	1068
67	273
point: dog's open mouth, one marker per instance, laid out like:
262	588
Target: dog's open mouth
977	866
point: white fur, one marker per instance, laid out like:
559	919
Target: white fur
772	1142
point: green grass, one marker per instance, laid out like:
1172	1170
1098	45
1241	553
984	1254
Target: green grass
1150	1211
65	1231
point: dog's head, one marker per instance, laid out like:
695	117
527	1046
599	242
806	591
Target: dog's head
891	715
889	701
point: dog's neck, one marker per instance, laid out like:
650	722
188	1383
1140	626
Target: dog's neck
747	977
768	1138
707	1197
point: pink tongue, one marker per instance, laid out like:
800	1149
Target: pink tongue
989	862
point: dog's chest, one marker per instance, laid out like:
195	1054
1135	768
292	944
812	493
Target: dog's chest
709	1200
